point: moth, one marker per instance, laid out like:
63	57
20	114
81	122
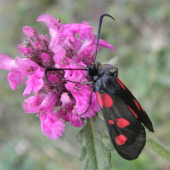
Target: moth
123	114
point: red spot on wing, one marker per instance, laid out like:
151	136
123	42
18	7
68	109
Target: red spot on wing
120	83
137	104
99	99
122	123
133	112
111	122
104	99
121	139
107	100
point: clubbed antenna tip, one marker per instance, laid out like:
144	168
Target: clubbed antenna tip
98	35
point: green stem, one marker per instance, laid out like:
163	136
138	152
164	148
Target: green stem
158	149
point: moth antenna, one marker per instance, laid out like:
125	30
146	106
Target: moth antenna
98	34
76	64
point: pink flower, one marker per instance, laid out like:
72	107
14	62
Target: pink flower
56	100
19	69
51	125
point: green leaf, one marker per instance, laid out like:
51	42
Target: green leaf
94	145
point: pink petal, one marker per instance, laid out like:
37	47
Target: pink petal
75	120
38	45
81	94
34	82
62	114
56	39
65	98
53	78
42	103
26	65
30	32
51	126
84	31
88	51
103	43
35	100
6	62
15	78
75	75
49	102
25	51
45	57
51	22
59	56
70	42
30	109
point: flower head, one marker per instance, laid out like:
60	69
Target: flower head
56	100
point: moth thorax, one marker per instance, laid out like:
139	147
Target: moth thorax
92	71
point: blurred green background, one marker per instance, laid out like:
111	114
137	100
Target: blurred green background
141	36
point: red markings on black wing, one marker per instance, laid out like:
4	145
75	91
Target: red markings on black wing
125	130
104	100
121	139
107	100
133	111
120	83
137	104
111	122
142	108
134	106
99	99
123	116
122	123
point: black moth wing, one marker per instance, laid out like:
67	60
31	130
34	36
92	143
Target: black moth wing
134	105
121	116
129	140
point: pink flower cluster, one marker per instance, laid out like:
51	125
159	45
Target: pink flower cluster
57	101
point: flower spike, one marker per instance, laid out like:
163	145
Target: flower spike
56	98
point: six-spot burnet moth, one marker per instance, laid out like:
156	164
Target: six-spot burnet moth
122	112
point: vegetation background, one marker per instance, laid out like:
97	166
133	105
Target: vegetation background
141	36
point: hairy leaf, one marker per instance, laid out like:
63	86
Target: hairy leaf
94	145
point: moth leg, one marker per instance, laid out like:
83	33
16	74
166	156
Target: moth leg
75	64
89	103
61	69
87	58
90	82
